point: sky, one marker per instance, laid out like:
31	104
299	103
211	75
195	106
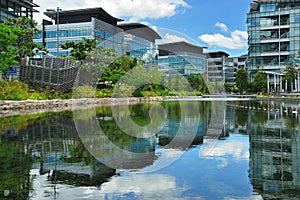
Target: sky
218	25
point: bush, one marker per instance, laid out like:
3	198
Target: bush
13	90
85	91
102	93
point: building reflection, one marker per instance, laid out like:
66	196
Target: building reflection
50	144
274	149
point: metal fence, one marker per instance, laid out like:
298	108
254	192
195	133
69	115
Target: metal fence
52	73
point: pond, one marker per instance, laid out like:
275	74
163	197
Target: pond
166	150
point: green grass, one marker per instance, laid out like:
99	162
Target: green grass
15	90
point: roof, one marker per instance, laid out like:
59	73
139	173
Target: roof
140	30
26	3
276	1
82	15
215	54
254	5
181	46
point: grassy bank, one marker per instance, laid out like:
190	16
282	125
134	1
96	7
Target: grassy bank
15	90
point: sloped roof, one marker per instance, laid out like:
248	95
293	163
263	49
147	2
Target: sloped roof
181	46
82	15
140	30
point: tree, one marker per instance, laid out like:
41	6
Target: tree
290	73
26	31
8	41
242	80
197	83
80	49
96	62
260	81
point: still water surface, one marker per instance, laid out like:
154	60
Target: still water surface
199	150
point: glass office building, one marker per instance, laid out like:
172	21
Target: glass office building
219	69
181	57
73	25
139	41
16	8
274	34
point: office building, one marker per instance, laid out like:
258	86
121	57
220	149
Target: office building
139	41
239	61
235	64
274	34
73	25
181	57
17	8
218	67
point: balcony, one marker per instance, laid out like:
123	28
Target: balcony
275	53
274	26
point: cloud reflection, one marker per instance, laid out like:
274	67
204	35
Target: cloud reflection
141	185
239	150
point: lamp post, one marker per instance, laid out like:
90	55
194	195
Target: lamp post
57	27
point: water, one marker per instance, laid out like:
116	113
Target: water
168	150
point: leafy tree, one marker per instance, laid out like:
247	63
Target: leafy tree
117	69
242	80
260	81
80	49
197	83
8	40
290	73
97	61
26	31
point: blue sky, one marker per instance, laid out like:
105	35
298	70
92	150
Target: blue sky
219	25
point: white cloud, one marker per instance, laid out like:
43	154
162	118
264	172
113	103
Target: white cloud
139	9
222	26
236	40
169	38
64	5
136	10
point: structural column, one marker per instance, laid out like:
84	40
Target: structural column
280	82
268	84
298	81
275	83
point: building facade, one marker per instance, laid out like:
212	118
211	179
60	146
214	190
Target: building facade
235	64
274	34
17	8
219	68
181	57
239	61
73	25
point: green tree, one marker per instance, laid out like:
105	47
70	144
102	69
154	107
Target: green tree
290	73
80	49
8	41
259	81
26	31
197	83
97	61
242	80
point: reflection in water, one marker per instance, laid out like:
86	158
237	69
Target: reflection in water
43	157
275	151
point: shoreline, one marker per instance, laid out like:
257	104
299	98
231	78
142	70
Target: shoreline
15	107
12	107
20	107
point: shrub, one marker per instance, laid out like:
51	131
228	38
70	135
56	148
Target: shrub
85	91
